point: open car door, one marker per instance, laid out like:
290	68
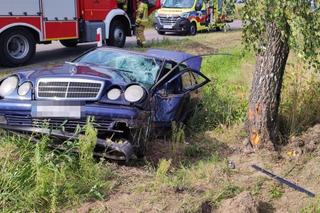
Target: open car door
174	100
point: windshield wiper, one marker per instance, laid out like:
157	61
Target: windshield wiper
127	71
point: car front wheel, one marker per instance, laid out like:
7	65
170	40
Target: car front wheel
17	47
193	29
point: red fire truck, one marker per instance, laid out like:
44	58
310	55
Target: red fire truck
25	23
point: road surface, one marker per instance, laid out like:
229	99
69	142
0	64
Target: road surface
56	52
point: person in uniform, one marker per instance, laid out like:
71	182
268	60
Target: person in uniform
141	22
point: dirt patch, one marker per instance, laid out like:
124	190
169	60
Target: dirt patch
242	203
306	143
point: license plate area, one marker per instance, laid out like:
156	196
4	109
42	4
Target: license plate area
57	109
167	26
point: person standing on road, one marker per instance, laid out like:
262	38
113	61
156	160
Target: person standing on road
141	22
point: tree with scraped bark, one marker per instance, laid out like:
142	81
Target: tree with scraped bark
274	28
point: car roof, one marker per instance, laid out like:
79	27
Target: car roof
177	56
180	57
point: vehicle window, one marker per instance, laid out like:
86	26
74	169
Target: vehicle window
188	80
178	3
138	68
174	87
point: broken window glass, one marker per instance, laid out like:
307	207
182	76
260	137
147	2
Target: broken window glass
138	68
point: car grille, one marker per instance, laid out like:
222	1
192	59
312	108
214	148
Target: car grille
56	123
64	89
170	20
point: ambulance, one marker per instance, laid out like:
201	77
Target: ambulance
191	16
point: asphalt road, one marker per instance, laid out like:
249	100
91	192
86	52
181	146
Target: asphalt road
56	52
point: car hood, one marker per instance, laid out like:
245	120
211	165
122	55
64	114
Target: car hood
75	71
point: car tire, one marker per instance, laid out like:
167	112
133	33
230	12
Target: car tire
69	43
117	36
161	32
17	47
193	29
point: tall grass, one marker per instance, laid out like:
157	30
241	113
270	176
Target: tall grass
224	100
36	178
300	99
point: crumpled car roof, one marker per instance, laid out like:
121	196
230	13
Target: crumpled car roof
194	63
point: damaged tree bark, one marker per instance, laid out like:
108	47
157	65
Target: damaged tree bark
266	89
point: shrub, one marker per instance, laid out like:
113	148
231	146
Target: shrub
37	178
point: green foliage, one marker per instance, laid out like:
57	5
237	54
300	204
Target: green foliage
192	151
314	207
177	136
36	178
224	100
162	171
276	191
300	100
298	23
229	8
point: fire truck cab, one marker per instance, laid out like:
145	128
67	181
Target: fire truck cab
23	24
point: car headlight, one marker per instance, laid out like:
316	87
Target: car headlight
24	88
8	86
134	93
114	94
184	15
156	14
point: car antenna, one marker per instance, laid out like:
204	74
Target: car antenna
187	59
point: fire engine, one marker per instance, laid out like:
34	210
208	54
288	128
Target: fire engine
25	23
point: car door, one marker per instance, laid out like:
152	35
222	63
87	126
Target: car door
173	101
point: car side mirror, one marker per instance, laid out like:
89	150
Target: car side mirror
198	6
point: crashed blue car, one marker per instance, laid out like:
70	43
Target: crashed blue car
130	95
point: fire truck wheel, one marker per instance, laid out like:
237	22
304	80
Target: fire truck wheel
193	29
17	47
69	43
117	36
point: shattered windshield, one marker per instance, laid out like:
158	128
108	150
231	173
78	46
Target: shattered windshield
138	68
178	3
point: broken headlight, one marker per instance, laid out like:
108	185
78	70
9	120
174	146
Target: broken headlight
134	93
8	86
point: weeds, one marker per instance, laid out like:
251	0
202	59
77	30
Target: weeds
162	171
36	178
300	99
224	100
276	191
177	136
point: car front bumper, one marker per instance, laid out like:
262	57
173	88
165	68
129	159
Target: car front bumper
182	25
19	114
109	120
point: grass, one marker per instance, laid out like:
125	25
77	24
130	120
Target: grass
36	178
225	98
300	98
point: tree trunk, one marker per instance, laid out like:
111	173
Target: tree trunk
266	89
